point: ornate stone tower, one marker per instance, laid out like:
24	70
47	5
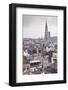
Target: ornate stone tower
46	32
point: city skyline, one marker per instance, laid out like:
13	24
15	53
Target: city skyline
34	26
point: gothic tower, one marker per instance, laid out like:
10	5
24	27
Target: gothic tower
46	32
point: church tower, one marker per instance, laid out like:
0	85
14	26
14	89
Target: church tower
46	32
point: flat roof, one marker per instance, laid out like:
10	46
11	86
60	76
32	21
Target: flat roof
34	61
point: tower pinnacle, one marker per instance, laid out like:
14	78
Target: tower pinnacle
46	32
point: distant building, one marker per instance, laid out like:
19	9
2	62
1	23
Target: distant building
46	33
48	36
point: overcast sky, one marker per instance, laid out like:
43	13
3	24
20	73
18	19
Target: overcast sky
34	26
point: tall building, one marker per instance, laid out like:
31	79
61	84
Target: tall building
46	33
48	36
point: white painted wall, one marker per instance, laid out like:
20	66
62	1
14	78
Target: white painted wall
4	44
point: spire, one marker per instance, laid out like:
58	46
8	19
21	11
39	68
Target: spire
46	31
